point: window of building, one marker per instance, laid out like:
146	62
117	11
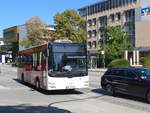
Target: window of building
130	15
96	8
118	16
94	21
117	3
94	44
114	3
103	21
99	7
100	42
112	17
120	2
123	2
134	1
83	12
89	34
89	45
89	23
94	33
105	5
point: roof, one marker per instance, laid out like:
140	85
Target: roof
92	4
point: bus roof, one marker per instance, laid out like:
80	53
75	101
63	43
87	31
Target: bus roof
33	49
45	46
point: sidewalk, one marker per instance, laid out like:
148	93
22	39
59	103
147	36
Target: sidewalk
98	70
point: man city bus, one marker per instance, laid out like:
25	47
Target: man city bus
54	66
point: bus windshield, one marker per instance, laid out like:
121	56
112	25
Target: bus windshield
68	65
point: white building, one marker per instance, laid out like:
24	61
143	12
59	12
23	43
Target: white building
1	42
2	55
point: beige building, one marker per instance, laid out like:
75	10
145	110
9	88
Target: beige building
133	16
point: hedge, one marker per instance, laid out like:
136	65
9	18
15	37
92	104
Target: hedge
145	61
119	63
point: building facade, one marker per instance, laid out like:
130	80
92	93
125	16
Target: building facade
1	42
2	53
11	40
12	36
133	16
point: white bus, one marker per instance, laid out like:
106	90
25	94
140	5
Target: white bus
54	66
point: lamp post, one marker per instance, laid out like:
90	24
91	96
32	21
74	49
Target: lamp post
103	53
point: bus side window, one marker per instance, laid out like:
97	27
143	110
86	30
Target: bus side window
43	60
35	61
50	62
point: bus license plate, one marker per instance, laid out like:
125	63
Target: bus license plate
70	87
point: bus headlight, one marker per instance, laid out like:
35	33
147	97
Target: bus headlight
52	86
52	83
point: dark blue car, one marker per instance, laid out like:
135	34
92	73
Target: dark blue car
131	81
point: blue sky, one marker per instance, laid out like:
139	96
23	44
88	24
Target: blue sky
16	12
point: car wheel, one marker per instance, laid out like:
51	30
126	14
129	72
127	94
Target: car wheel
148	96
109	89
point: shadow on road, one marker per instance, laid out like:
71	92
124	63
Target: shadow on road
118	95
100	91
134	98
46	92
31	109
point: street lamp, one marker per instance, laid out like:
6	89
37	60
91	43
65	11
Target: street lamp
103	53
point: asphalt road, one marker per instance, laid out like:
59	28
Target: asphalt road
16	97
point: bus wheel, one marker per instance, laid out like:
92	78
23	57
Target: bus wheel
37	84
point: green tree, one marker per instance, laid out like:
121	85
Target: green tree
115	42
37	33
69	26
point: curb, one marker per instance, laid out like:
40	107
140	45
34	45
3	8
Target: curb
97	70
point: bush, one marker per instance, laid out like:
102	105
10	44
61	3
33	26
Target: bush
145	61
119	63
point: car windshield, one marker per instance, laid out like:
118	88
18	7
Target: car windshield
143	73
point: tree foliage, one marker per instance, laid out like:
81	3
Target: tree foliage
37	32
69	26
115	42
